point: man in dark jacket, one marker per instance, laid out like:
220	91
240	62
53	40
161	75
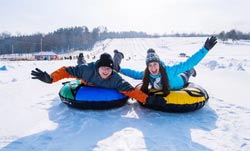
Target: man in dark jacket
101	74
81	60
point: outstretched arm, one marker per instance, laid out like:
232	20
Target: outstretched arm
138	75
154	100
118	56
195	58
41	75
55	76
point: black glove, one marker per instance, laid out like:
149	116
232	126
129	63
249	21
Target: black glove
118	56
156	101
210	42
40	75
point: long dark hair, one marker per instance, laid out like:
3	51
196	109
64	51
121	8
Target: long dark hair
164	81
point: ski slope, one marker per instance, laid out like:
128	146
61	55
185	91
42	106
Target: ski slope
33	117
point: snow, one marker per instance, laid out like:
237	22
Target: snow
33	117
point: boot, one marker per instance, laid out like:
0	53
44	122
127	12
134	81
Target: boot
186	75
118	56
192	72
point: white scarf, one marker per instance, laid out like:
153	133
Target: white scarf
155	81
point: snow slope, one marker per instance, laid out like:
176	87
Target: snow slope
33	117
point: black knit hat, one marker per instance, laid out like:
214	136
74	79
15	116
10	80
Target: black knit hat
105	60
80	54
152	56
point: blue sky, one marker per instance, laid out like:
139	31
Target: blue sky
152	16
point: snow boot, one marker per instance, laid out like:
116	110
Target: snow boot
118	56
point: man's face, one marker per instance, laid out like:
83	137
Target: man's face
104	72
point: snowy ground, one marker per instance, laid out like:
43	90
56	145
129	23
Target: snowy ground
33	117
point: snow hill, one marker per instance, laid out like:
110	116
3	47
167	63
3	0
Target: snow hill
32	116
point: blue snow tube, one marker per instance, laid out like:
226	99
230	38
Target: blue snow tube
77	95
3	68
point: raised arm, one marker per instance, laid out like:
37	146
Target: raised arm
195	58
138	75
54	77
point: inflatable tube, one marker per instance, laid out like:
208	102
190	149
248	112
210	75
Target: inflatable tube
3	68
190	98
76	95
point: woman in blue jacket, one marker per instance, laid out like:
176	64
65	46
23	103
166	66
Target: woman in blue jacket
164	77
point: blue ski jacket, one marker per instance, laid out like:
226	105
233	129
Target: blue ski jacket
173	72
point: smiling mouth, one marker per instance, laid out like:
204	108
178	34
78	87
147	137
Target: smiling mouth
154	72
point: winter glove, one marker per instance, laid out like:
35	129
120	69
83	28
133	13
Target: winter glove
210	42
118	56
40	75
156	101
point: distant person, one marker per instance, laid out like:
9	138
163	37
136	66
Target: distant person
164	77
100	74
81	60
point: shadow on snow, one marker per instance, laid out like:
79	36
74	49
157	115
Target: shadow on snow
82	130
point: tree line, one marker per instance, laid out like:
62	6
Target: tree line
61	40
81	38
234	35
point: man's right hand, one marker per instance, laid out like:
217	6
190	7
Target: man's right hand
40	75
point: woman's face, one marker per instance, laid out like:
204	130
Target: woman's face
154	68
104	72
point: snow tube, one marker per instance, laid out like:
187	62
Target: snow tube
77	95
3	68
190	98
